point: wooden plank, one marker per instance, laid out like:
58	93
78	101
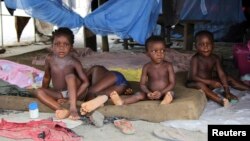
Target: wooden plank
188	36
105	43
90	39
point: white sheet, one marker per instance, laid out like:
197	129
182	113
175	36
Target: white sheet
238	113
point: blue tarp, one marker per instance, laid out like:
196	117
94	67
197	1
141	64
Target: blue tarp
217	11
125	18
51	11
222	14
134	18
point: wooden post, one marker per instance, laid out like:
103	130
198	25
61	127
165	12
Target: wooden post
105	43
90	39
188	35
125	44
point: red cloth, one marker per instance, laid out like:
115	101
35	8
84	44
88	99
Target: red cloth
53	131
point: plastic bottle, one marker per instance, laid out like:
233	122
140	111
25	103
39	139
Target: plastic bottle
33	110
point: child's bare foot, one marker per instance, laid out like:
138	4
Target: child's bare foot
116	98
62	113
74	115
168	98
226	103
91	105
61	101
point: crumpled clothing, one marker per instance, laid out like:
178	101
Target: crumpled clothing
42	130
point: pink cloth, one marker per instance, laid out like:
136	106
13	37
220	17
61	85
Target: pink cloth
53	131
18	74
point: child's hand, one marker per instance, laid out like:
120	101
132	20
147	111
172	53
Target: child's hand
157	95
154	96
215	84
150	96
61	101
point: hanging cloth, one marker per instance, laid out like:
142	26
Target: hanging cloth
126	18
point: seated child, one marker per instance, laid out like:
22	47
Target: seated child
157	79
66	73
203	63
103	82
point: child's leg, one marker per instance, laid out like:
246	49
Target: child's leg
49	97
71	81
208	92
128	100
119	89
168	98
237	84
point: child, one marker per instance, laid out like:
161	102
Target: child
66	73
203	63
103	82
158	77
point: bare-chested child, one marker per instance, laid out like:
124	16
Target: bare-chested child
103	82
66	73
203	63
157	79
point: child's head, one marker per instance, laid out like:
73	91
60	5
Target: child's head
62	41
204	42
155	48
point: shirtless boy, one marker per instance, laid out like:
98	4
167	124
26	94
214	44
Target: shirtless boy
66	73
157	79
203	63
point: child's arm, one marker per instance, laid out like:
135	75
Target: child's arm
83	77
143	80
47	75
171	79
222	76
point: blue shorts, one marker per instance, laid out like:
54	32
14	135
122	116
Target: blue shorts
120	79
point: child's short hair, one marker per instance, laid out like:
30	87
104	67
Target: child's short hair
206	33
63	31
154	39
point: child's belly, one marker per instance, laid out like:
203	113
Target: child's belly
59	84
157	86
